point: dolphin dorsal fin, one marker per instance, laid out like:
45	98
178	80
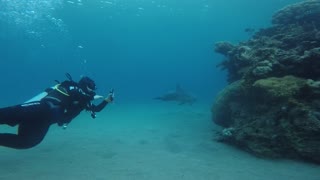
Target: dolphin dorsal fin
179	89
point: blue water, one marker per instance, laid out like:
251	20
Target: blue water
141	48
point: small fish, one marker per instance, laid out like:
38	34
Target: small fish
107	2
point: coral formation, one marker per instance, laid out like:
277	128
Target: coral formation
271	106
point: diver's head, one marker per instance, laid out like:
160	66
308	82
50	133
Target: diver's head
87	85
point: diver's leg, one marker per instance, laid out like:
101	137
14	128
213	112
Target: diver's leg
10	115
29	135
34	122
13	115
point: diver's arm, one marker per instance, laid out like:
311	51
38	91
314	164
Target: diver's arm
97	97
109	98
99	107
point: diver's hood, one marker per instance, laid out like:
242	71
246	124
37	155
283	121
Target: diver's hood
85	83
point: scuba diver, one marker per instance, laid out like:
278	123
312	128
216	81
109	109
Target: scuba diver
60	105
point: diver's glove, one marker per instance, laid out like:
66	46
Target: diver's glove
110	96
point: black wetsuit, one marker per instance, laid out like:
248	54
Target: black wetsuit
60	106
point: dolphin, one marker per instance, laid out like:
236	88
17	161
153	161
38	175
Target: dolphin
179	95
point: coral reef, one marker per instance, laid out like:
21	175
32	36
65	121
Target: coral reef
271	106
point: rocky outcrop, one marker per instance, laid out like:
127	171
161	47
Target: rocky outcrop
271	106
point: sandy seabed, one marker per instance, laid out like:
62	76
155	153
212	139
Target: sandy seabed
151	141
